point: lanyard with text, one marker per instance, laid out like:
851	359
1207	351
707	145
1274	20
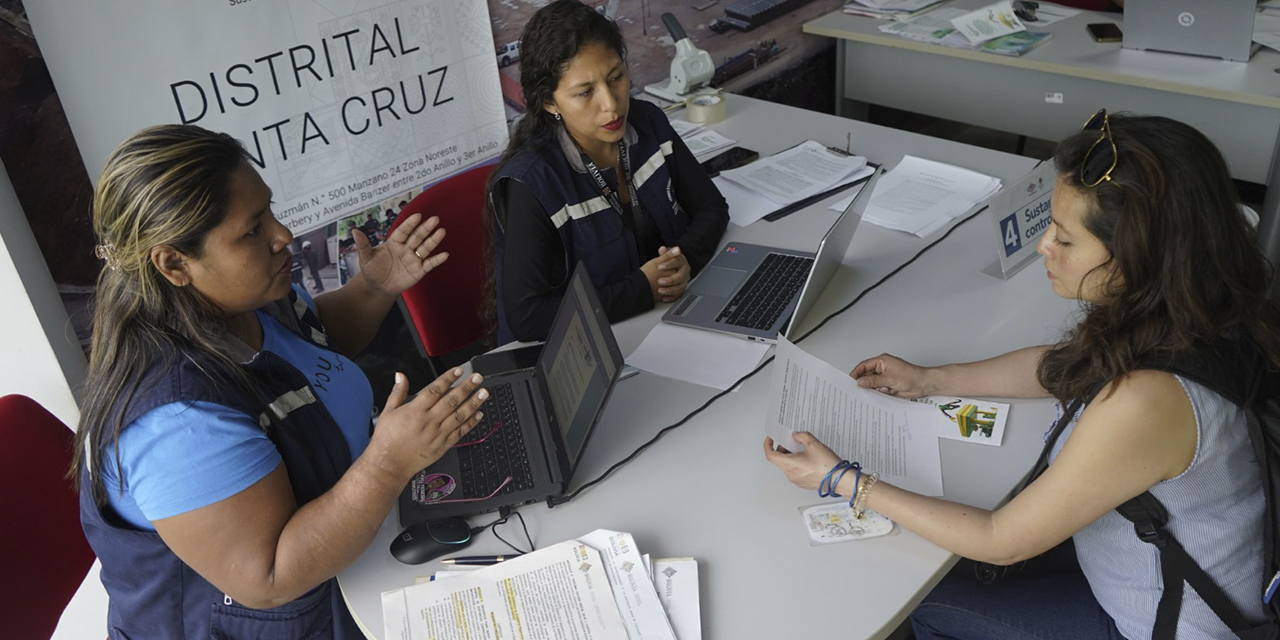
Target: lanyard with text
625	173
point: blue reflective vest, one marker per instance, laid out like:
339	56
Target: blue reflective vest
590	229
153	594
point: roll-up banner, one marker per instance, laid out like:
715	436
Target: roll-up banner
341	105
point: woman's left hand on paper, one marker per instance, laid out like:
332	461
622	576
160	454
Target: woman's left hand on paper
806	468
404	258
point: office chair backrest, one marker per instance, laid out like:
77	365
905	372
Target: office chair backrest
43	554
445	306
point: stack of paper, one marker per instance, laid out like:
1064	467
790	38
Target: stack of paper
703	142
921	196
598	586
890	9
785	178
976	30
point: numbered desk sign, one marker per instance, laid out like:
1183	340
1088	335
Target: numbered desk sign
1020	213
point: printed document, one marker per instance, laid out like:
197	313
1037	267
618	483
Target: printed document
921	196
896	438
706	143
802	171
989	22
557	593
676	580
633	591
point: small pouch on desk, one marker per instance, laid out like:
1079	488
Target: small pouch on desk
832	522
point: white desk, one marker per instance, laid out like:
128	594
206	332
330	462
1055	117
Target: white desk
706	491
1050	91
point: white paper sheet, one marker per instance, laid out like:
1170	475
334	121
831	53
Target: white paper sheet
800	172
702	357
894	437
921	196
637	600
746	207
706	143
991	21
557	593
676	580
686	129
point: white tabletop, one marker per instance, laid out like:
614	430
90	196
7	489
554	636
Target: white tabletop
706	491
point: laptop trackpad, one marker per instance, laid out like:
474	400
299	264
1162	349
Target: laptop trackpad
718	281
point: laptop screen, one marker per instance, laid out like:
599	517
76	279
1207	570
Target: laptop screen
577	364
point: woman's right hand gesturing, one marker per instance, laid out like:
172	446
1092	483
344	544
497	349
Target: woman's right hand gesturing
894	376
411	435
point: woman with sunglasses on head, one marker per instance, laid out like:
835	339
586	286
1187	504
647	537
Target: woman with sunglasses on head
225	455
1147	233
592	175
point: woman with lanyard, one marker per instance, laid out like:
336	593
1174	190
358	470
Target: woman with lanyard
227	463
591	175
1148	235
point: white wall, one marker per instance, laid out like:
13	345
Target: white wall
39	358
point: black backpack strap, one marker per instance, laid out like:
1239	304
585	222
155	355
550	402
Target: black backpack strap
1177	566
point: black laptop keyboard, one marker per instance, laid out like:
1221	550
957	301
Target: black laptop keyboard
761	301
484	466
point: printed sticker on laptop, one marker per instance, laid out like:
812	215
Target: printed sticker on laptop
428	488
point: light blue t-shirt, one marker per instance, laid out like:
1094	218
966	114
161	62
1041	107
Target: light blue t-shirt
186	455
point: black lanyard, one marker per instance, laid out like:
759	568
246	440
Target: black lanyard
609	194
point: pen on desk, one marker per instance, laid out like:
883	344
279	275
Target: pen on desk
479	560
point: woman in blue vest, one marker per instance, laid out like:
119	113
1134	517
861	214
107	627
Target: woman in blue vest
226	461
1147	234
591	175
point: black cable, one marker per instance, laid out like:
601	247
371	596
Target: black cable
553	501
505	514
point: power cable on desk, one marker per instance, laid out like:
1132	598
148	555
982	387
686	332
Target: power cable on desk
554	501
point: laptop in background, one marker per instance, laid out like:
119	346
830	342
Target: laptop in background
536	421
758	292
1214	28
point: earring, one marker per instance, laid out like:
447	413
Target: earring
556	116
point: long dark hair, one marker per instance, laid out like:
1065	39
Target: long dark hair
551	40
1184	267
165	185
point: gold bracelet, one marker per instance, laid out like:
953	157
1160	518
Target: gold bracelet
860	498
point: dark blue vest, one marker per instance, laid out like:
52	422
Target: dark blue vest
591	230
153	594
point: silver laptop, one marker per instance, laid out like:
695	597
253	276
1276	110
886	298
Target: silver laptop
536	422
758	292
1214	28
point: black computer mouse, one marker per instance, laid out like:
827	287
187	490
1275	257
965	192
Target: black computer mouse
429	540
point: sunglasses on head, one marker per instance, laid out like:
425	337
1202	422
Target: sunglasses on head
1100	160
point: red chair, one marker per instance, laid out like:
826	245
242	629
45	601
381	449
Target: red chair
42	551
445	308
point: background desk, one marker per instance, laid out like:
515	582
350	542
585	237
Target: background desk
1237	105
705	490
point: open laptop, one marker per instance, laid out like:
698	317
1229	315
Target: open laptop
536	421
758	292
1215	28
